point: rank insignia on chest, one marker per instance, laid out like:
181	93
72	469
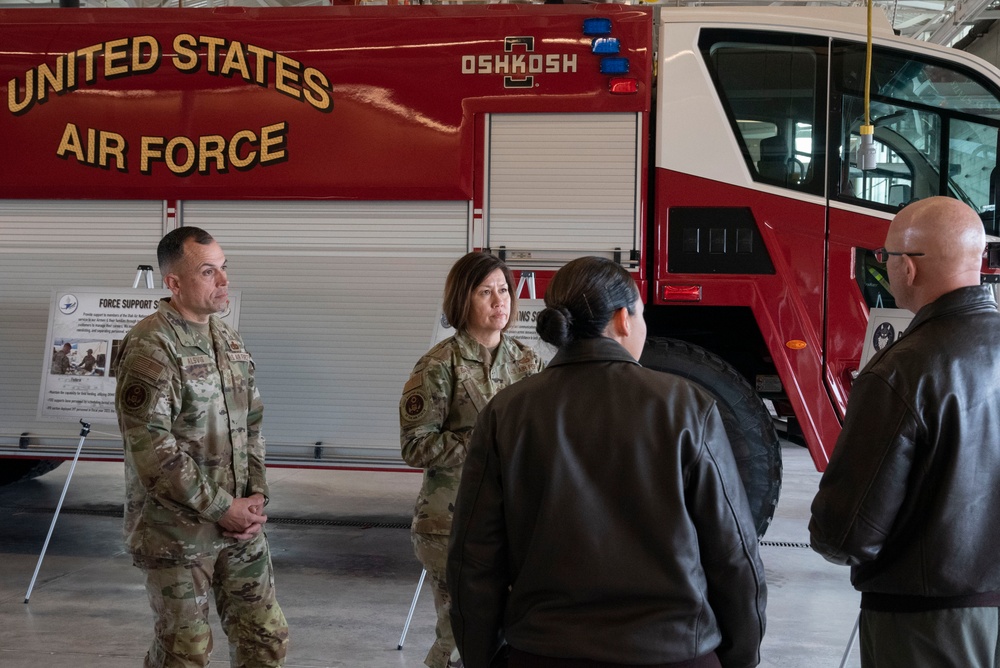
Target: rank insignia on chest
235	346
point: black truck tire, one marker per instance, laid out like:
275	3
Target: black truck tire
748	423
15	469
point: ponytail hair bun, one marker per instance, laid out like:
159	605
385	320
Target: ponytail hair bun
582	298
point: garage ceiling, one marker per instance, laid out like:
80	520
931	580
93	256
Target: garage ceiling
939	21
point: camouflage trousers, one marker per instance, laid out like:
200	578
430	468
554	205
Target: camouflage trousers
242	582
432	551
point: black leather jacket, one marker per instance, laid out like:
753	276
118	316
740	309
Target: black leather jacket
606	497
911	493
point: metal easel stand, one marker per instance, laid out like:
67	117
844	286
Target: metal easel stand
143	270
413	605
83	436
850	641
527	279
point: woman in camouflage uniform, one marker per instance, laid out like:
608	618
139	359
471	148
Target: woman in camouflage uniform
441	400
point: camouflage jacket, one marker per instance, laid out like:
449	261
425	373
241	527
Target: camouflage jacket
61	363
440	404
190	417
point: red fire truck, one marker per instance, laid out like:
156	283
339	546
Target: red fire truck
344	157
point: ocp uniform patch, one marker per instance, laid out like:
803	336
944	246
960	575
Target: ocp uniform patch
137	399
414	406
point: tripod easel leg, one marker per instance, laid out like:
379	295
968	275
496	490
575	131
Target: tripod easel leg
413	605
69	476
850	641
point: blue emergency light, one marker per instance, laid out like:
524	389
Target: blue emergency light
614	65
596	26
605	45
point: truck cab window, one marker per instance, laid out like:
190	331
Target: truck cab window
935	130
907	149
773	87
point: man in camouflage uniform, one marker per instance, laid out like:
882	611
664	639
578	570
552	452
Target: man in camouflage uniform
439	407
190	416
60	360
88	361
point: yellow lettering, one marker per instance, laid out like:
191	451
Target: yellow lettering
18	107
70	143
47	78
91	148
89	61
115	52
173	147
286	71
318	89
235	60
101	147
113	145
186	58
212	58
71	70
182	155
151	148
151	47
234	150
273	139
261	58
212	147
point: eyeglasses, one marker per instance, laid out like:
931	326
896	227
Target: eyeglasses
881	254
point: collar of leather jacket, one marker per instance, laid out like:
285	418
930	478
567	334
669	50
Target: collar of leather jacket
962	300
600	349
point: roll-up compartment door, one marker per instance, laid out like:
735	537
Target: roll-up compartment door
338	301
560	186
50	244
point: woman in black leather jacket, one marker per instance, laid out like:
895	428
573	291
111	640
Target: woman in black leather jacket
601	520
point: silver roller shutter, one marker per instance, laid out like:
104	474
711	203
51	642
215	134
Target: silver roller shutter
49	244
338	303
562	185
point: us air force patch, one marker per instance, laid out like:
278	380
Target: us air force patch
136	398
415	406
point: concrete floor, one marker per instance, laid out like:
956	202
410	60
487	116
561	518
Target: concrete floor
344	569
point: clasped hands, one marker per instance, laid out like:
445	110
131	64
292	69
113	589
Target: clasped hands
245	518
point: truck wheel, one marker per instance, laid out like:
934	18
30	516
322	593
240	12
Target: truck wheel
748	422
15	469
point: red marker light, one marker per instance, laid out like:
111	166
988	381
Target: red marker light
623	86
682	293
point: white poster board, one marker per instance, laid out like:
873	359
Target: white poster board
86	326
523	328
885	325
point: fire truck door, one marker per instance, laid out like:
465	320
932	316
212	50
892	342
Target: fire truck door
936	133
